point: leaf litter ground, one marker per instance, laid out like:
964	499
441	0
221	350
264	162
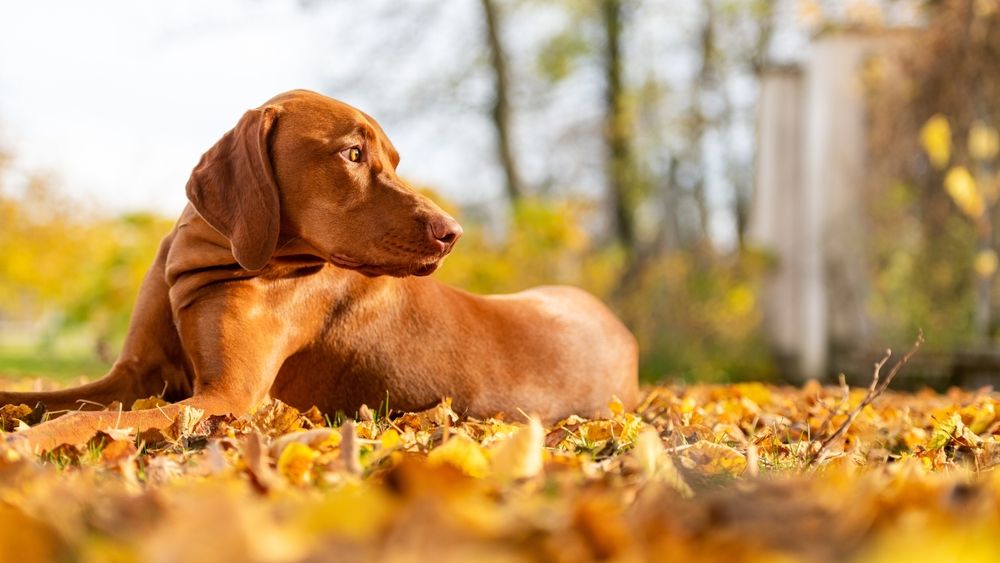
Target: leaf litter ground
741	472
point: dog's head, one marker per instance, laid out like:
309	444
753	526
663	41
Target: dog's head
310	167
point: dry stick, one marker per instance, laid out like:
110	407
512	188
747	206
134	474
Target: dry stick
874	391
844	401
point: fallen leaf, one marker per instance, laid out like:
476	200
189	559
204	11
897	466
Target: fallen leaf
616	406
184	423
24	538
464	454
296	462
713	459
316	438
274	418
10	415
257	462
148	403
520	455
390	439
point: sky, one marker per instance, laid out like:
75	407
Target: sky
117	99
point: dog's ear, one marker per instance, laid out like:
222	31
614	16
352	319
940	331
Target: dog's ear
233	187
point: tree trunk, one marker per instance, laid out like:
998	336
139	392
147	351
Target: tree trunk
616	133
501	103
704	82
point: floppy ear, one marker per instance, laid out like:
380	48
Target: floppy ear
234	189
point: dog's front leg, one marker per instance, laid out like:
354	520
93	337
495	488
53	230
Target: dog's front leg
235	347
236	343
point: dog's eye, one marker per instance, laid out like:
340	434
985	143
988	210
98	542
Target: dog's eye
354	154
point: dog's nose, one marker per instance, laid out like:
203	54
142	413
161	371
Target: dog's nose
444	229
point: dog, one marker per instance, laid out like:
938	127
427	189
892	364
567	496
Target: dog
298	271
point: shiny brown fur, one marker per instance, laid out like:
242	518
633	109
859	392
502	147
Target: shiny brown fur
298	274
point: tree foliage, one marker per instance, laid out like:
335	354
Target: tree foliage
66	266
934	202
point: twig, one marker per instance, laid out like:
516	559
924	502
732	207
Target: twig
677	449
875	389
844	401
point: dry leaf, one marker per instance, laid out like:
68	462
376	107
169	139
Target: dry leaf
650	459
520	455
10	415
184	424
274	418
296	462
464	454
317	438
148	403
713	459
257	462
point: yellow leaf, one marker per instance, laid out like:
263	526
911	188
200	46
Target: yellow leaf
296	462
650	458
490	431
150	403
317	438
354	511
944	431
596	430
629	428
986	263
616	406
984	141
26	539
624	429
390	439
520	455
935	136
982	416
757	393
961	186
740	300
914	437
927	539
714	459
463	453
688	405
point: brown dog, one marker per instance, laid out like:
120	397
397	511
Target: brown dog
296	273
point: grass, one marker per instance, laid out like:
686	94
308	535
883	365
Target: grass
62	363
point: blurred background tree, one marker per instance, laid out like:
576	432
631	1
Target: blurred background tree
68	277
935	177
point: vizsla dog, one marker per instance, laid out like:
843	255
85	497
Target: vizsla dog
297	272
